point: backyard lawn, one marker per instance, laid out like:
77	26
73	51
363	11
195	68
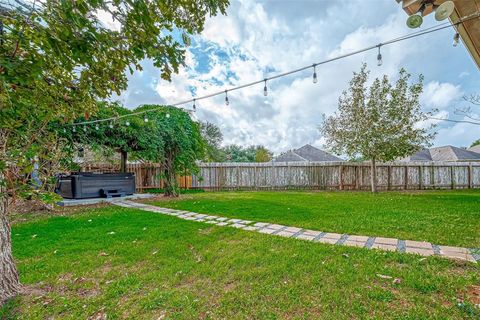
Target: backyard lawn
118	263
441	217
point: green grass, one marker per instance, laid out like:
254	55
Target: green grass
155	265
441	217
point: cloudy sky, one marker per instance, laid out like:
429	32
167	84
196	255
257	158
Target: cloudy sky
261	38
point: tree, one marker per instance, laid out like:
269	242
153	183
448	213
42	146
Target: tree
236	153
379	123
57	60
471	115
262	154
116	135
182	144
213	138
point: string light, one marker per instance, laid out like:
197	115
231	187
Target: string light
127	123
84	128
456	38
226	98
74	129
145	119
167	115
110	125
415	34
194	107
379	56
315	80
64	130
97	127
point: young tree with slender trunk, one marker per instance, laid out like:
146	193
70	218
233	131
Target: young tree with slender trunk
182	144
57	59
378	123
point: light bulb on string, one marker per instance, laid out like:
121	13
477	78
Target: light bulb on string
315	80
97	127
167	115
226	98
64	130
379	57
74	129
456	39
145	119
84	128
194	106
127	123
265	90
110	125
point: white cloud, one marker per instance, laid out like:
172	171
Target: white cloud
441	95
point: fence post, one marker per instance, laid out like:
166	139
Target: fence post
406	177
389	178
420	177
470	176
452	177
340	167
357	174
432	176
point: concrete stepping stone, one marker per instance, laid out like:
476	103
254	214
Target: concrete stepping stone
251	228
459	256
387	241
311	233
267	230
261	224
327	240
237	225
276	226
285	233
334	236
384	246
418	244
350	243
304	236
420	251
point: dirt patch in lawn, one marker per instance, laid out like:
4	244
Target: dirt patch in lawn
473	294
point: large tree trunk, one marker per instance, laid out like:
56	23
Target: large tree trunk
171	189
123	161
9	282
373	175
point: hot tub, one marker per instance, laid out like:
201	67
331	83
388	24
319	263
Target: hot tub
83	185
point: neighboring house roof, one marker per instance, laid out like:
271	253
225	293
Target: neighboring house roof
289	156
307	153
445	153
422	155
475	148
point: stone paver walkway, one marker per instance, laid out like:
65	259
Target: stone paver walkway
389	244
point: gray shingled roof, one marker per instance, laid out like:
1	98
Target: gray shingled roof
313	154
445	153
475	148
422	155
307	153
289	156
464	154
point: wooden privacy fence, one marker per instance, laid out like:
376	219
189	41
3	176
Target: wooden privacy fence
147	175
337	175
